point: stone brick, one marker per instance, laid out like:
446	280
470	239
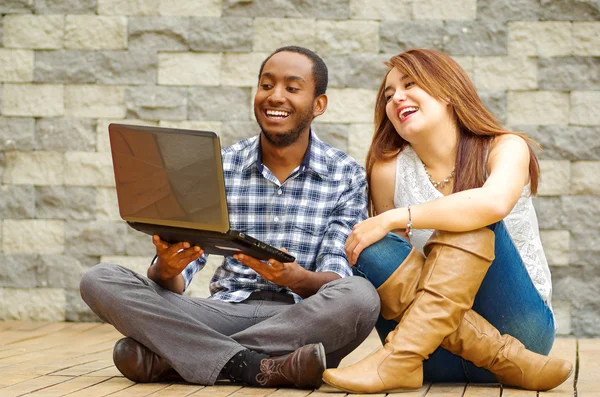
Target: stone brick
34	100
585	108
398	36
95	238
495	103
381	9
538	107
184	68
359	140
568	142
138	264
34	31
357	70
335	134
17	202
156	103
217	103
583	213
90	32
59	271
556	246
505	73
102	139
475	38
158	33
241	70
186	8
64	134
562	314
586	38
349	106
585	178
34	168
468	65
65	6
527	38
198	125
16	65
508	10
17	133
89	169
16	7
566	73
76	309
445	9
221	34
126	67
555	177
94	101
551	213
128	7
18	271
233	131
347	37
256	8
138	243
107	207
322	9
40	304
33	236
272	33
59	202
66	66
570	10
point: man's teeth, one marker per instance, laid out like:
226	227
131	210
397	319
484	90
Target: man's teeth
406	111
277	113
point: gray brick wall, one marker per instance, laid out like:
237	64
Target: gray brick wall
68	68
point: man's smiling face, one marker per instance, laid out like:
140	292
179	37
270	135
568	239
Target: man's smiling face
285	98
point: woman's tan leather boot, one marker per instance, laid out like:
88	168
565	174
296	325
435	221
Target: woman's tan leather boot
398	291
455	266
480	342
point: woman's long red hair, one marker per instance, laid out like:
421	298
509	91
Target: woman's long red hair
442	78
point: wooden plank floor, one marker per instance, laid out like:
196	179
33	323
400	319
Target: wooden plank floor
75	359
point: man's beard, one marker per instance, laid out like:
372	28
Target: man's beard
288	138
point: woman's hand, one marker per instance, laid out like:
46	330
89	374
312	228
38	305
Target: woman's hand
364	234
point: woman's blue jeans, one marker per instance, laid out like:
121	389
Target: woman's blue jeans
507	299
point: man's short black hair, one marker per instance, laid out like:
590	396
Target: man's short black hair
319	69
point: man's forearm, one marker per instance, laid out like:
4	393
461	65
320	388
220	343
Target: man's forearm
310	282
175	284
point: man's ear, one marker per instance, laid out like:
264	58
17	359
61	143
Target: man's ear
320	105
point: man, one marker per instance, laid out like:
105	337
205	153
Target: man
266	323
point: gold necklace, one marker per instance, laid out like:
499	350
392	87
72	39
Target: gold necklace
438	185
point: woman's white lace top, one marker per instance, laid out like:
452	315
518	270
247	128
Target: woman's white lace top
413	187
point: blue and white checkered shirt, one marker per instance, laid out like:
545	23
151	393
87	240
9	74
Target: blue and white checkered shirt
310	214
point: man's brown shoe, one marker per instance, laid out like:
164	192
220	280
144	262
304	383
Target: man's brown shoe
302	368
140	364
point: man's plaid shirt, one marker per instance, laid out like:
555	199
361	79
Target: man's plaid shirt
310	214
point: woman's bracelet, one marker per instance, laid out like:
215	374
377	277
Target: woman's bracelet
409	226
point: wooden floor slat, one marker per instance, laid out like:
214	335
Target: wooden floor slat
75	359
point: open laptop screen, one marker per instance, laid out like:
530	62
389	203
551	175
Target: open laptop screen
169	177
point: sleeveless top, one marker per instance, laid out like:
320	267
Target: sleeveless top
413	187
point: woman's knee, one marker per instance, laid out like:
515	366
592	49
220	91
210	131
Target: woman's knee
378	261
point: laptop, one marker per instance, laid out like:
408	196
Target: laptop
170	183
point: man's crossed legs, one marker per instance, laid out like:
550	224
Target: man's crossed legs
199	337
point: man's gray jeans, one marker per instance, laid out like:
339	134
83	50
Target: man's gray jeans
197	336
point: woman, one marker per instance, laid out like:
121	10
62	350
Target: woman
463	281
